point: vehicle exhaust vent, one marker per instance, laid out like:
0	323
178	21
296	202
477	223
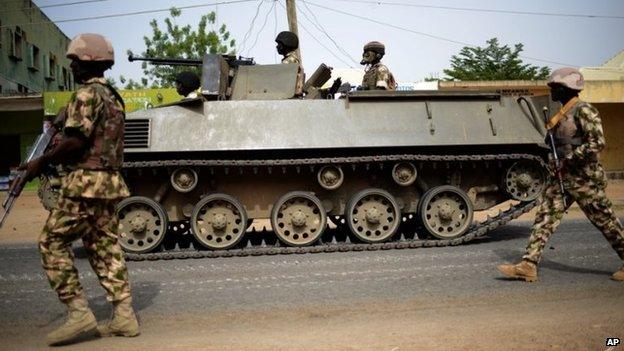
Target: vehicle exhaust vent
136	133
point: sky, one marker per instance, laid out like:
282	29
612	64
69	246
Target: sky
420	39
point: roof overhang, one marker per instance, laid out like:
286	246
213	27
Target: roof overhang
21	103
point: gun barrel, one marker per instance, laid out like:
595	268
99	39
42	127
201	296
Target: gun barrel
8	203
166	61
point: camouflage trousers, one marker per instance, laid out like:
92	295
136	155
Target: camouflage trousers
95	221
585	185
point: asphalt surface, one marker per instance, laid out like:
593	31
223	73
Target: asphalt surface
574	281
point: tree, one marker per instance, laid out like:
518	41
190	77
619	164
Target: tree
493	62
179	42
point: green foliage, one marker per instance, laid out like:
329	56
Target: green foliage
132	84
178	42
493	62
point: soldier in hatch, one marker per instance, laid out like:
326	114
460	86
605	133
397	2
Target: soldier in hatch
187	84
287	45
377	76
579	139
92	149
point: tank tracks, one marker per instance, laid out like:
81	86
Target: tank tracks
477	230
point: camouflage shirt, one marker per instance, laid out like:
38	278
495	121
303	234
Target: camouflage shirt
378	76
291	57
589	130
94	112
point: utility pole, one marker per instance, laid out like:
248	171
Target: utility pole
291	12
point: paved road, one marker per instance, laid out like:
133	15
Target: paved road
450	298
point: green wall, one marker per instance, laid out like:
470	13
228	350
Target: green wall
30	71
138	99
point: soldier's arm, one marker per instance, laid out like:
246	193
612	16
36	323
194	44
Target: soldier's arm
383	76
84	106
592	134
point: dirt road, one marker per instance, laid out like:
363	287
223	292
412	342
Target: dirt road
426	299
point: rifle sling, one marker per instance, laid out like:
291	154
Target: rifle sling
561	113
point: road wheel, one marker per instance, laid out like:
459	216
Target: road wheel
373	215
524	180
298	218
446	212
218	221
142	224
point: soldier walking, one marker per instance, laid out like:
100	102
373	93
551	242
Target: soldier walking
579	139
92	149
377	76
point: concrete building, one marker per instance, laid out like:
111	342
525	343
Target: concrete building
605	90
32	51
32	60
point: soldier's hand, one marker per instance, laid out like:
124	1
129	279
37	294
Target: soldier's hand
32	168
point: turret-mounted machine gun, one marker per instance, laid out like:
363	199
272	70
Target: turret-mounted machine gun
218	71
227	77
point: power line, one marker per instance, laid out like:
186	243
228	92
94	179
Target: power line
126	14
512	12
54	5
275	31
437	37
251	26
70	3
317	40
319	26
266	19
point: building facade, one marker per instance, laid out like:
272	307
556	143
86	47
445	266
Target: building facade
32	60
32	51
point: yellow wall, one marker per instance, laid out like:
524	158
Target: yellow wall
603	91
612	114
608	97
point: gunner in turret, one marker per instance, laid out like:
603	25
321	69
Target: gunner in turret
377	76
287	45
187	84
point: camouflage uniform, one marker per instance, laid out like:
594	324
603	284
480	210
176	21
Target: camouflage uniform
291	58
584	182
378	75
89	194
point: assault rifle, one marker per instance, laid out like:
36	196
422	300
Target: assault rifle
38	149
553	150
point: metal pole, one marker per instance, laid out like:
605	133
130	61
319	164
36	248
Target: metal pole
291	12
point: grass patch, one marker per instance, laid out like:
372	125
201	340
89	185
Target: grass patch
32	185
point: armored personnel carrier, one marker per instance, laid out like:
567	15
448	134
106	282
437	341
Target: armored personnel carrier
371	170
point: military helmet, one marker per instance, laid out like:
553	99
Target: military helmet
288	39
376	47
91	47
568	77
